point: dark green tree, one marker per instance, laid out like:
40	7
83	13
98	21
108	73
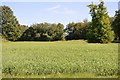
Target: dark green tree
41	32
100	30
70	29
28	35
116	25
44	32
112	19
0	20
0	30
60	32
77	30
57	32
23	28
10	25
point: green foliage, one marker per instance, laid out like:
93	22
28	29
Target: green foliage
77	30
97	31
62	57
23	28
116	25
10	26
100	30
57	32
28	35
0	20
44	32
0	30
112	19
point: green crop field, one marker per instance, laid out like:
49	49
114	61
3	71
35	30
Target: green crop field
59	59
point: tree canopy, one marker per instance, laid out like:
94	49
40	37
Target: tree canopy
77	30
100	30
44	32
10	24
116	24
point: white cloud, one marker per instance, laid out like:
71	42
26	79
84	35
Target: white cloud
60	10
53	8
65	11
69	11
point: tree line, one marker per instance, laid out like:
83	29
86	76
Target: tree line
43	32
101	29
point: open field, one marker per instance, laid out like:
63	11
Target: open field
59	59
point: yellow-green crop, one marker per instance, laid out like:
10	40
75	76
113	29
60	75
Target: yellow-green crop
62	57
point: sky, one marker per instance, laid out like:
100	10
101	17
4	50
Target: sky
29	13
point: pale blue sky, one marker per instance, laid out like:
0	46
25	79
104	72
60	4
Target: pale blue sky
54	12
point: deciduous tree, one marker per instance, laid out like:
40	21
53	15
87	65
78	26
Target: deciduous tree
10	25
100	30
